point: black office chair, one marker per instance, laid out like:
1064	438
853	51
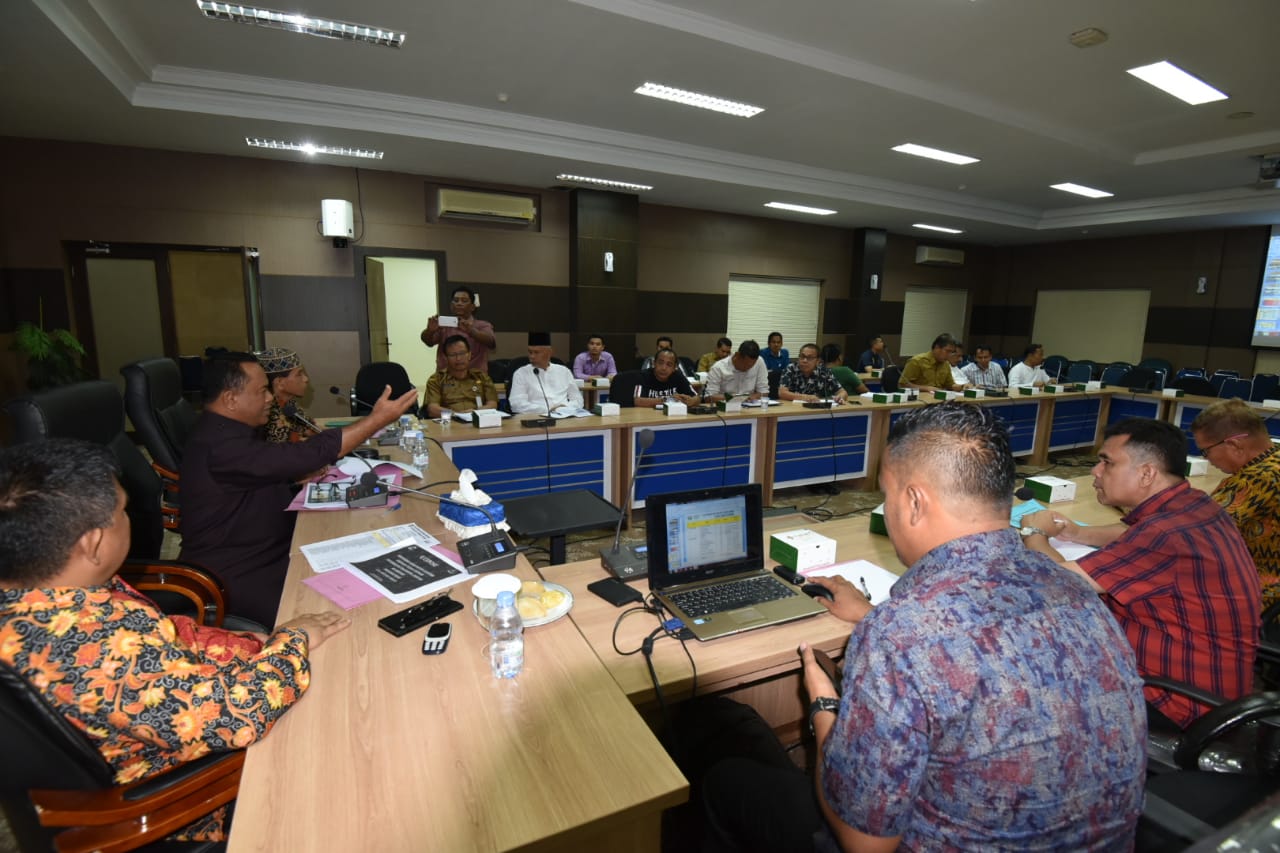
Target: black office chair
499	370
688	366
372	378
1113	374
1158	364
775	378
1056	365
1138	378
1195	385
622	390
1264	386
59	793
154	401
890	378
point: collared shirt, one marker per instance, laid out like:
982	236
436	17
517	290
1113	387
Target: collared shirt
868	360
460	395
819	383
957	376
723	378
990	702
708	359
235	487
1183	587
775	362
585	368
281	428
1022	375
529	396
1251	496
849	381
924	369
654	388
149	691
479	352
992	377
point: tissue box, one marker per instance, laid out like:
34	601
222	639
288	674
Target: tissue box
606	409
1173	392
877	521
875	372
1093	385
1271	403
1051	489
945	395
802	549
1197	465
886	397
730	405
482	418
599	382
1055	389
1029	391
676	409
974	393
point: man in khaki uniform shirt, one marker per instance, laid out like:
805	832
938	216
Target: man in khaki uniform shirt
458	387
932	369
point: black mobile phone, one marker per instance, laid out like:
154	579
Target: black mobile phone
615	592
437	639
829	667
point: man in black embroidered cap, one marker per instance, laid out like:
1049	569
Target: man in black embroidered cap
540	383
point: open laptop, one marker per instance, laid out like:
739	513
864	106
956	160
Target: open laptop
707	546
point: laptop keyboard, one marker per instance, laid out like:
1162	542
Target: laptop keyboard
722	597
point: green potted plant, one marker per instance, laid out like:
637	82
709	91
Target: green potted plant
53	357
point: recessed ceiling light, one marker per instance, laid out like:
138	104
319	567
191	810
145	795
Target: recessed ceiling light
937	228
694	99
602	182
311	149
1081	189
934	154
800	208
295	23
1170	78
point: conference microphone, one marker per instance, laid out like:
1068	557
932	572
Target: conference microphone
291	411
631	561
484	552
338	392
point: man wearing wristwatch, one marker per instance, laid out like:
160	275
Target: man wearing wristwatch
990	701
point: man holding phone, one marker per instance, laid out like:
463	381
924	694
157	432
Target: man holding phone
955	730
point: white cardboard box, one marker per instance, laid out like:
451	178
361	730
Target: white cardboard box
487	418
1093	385
676	409
607	409
1173	392
1052	489
1029	391
802	549
1197	465
975	393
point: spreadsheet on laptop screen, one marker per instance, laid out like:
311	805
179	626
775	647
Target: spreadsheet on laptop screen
700	533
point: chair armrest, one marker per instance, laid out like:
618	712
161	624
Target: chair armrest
1184	689
1221	720
193	583
1268	652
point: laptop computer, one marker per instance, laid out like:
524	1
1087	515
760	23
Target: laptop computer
708	544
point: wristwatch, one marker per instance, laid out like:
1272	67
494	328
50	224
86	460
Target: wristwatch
822	703
1028	531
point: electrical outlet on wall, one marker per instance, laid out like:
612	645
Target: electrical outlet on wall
1202	284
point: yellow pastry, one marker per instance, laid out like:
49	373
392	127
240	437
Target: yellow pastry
552	598
530	608
532	588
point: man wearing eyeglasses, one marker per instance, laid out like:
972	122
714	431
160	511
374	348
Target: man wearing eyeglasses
1233	437
808	381
458	387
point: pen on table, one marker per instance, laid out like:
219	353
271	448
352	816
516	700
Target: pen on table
397	506
862	583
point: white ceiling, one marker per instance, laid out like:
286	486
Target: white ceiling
842	81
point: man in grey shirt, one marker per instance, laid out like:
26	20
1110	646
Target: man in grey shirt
985	373
739	374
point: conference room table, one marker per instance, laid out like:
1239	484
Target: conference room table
391	750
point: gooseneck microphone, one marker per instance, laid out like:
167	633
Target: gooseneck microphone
290	410
537	373
633	560
338	392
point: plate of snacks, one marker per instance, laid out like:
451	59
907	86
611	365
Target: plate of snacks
539	603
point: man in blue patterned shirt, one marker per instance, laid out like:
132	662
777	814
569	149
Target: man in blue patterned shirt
991	704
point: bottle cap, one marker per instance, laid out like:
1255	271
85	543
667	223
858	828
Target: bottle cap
506	599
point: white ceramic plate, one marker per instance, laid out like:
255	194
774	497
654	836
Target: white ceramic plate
552	615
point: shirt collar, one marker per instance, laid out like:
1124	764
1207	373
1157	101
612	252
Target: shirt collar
1155	503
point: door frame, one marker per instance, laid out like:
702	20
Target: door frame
361	253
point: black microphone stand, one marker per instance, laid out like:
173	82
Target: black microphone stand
631	561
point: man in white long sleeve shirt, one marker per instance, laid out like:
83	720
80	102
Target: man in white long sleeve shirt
1028	372
540	382
739	374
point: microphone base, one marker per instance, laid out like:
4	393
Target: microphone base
538	422
360	496
627	563
487	552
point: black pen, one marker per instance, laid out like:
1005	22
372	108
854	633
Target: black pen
862	582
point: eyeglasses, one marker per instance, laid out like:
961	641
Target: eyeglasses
1204	451
463	354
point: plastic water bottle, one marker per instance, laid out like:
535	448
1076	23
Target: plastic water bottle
506	638
418	448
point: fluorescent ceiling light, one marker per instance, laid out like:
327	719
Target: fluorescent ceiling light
934	154
1080	189
311	149
800	208
300	23
937	228
1172	79
694	99
602	182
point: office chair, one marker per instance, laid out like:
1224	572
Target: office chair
1157	363
1217	380
1234	386
499	370
153	398
1190	371
1112	373
1143	378
1264	386
372	378
688	366
622	390
59	793
1056	365
775	378
1195	385
1081	371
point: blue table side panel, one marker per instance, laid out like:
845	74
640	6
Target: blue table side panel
1124	407
1021	418
520	468
1075	423
696	458
815	448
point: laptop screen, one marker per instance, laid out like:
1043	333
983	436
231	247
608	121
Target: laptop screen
704	534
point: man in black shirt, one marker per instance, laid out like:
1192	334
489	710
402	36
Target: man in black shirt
662	381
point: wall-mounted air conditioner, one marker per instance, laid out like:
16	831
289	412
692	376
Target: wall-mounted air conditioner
486	207
939	257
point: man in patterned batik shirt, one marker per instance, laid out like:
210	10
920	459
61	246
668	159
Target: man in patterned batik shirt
149	691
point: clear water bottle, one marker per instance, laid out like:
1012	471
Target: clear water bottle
418	449
506	638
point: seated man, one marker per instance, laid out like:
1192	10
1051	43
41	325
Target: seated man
741	374
834	361
724	347
958	378
288	381
479	333
149	691
1175	572
931	371
1233	437
541	387
595	361
873	356
663	381
235	485
1028	373
807	381
775	356
458	388
991	704
985	373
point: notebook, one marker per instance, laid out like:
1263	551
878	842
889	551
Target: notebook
707	542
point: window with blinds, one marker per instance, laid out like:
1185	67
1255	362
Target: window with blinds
758	306
927	313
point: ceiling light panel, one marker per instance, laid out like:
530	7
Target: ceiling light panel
800	208
295	23
1170	78
1081	189
695	99
941	228
935	154
310	149
603	182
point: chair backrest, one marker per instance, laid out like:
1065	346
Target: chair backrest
1234	386
1216	381
1226	373
93	411
1111	375
499	369
1161	363
1081	371
775	377
689	366
1056	365
1190	371
1139	377
889	378
1196	385
373	377
1004	364
161	415
1264	386
622	390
